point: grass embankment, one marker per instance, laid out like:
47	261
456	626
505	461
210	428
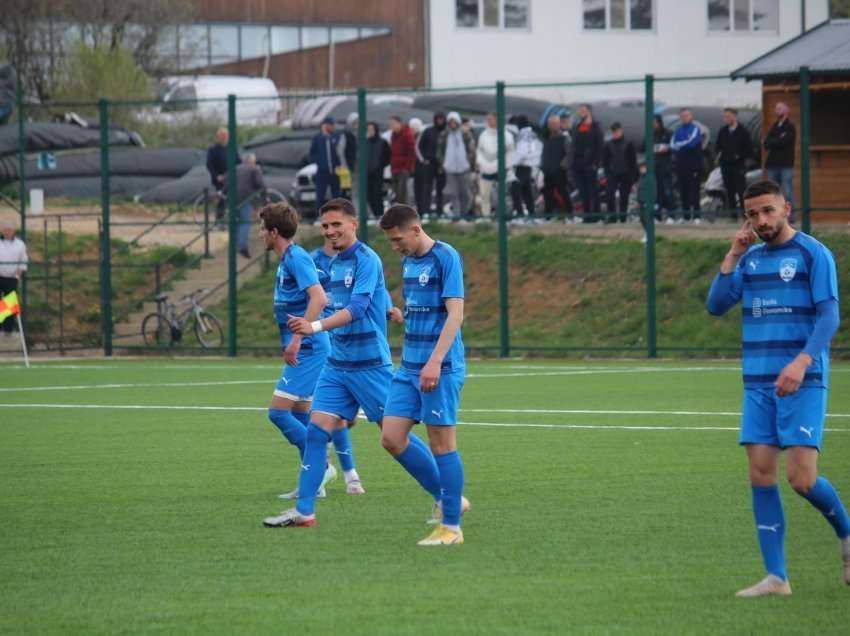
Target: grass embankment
568	292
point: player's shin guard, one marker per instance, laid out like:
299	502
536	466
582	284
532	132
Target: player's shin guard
312	468
770	525
824	497
344	451
292	429
418	460
451	482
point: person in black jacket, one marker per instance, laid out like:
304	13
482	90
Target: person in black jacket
217	167
619	160
734	146
379	159
553	165
586	156
433	177
663	168
780	145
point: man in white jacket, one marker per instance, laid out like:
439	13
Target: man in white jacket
487	156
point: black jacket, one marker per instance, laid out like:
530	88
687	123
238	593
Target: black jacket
554	156
587	146
734	146
619	158
428	141
379	154
779	144
350	150
663	160
217	165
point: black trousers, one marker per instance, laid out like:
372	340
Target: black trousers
521	191
588	188
7	286
375	193
552	183
433	179
419	186
618	209
689	192
734	182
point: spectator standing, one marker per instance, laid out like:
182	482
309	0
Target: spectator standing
403	157
553	164
217	167
619	160
663	167
734	146
780	144
434	178
525	161
588	141
347	150
416	127
13	263
456	154
686	145
250	186
324	153
487	159
379	159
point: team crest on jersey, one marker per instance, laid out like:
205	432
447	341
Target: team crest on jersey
424	276
349	277
788	269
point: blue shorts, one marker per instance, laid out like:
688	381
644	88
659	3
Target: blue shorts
298	383
794	420
342	392
437	408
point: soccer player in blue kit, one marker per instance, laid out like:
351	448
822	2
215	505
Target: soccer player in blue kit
358	371
427	386
297	292
789	293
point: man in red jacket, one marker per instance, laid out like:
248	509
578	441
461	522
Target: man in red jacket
402	157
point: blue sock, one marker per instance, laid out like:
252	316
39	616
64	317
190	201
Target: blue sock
823	497
418	460
312	469
303	417
344	451
451	481
770	525
292	429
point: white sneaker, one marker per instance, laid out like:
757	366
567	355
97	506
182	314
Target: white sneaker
354	487
290	519
321	494
845	555
771	585
697	221
670	220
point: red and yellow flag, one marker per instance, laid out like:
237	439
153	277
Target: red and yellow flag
9	306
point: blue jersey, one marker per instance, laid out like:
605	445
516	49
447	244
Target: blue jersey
295	274
363	342
323	267
428	281
779	288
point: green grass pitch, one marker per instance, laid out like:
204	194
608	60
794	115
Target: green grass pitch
608	497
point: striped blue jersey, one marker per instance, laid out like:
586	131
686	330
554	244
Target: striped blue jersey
428	281
323	267
363	342
779	288
296	272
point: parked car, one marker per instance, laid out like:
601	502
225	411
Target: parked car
205	96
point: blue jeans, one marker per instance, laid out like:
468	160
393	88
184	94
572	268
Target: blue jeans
246	214
785	178
323	181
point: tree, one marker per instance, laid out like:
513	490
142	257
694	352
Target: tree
839	8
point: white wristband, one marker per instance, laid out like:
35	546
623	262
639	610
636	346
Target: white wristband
316	326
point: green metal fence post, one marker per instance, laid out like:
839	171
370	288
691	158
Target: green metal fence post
649	216
805	141
504	326
232	215
362	168
105	240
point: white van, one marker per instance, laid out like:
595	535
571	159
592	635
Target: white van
205	96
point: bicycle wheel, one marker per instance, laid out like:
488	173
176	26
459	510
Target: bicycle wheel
157	331
208	330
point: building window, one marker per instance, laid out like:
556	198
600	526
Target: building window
194	46
344	34
839	9
743	15
493	14
285	39
618	15
312	37
253	41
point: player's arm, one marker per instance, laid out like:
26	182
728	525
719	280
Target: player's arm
429	377
393	313
315	304
725	289
827	321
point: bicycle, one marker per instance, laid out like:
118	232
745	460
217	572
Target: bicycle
212	202
165	327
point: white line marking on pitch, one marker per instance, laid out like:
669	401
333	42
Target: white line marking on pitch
164	407
610	412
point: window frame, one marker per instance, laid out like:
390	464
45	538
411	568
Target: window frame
501	27
628	28
749	31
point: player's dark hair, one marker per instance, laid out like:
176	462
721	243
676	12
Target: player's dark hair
395	118
729	109
760	188
339	205
616	126
400	216
281	217
586	106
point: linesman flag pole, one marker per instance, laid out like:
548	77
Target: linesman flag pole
9	306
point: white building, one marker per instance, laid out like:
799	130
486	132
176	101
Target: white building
475	42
